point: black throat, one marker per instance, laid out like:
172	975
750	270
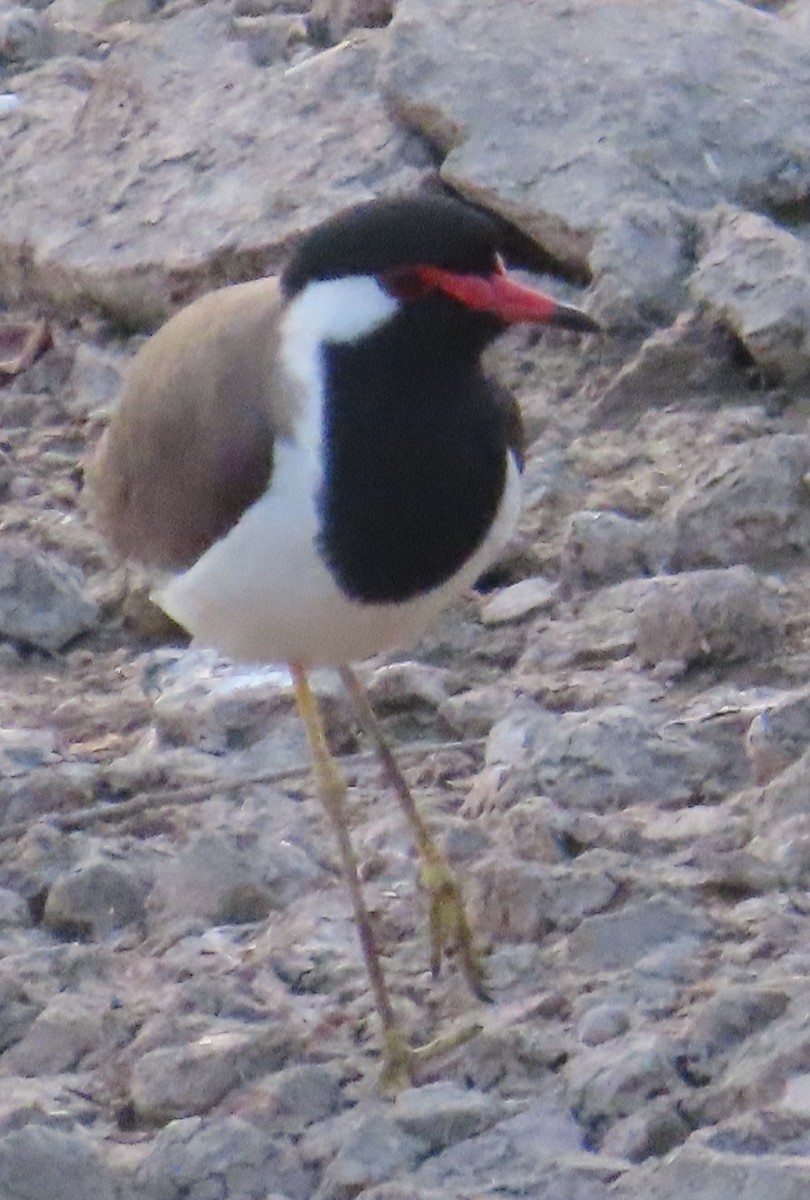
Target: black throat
416	445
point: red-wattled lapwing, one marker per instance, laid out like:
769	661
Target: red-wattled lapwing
314	467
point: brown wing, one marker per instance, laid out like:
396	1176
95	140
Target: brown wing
190	446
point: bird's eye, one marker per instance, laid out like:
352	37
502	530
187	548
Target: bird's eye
405	283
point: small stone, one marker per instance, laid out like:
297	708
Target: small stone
291	1099
43	601
692	356
41	1163
377	1150
731	1016
618	1078
330	20
223	1157
606	547
602	1023
23	749
517	601
18	1011
778	736
23	36
648	1134
748	504
618	939
754	274
473	713
443	1113
705	616
68	1028
94	899
640	259
405	685
95	380
181	1081
267	37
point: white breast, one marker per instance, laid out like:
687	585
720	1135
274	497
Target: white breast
262	594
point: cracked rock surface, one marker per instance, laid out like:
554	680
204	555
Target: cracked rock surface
610	736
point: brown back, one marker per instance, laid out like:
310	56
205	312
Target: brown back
190	446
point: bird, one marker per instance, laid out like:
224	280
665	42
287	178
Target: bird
313	466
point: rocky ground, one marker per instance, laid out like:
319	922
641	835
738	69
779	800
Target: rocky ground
611	736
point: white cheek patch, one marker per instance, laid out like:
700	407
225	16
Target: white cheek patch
331	310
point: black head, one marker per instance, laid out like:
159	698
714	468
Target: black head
384	235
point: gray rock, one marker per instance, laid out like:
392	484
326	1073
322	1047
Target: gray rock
23	749
556	157
43	601
525	901
209	875
518	600
376	1150
443	1113
750	504
23	36
602	547
269	37
704	1174
651	1133
18	1011
618	1078
196	1159
678	960
524	1155
754	275
730	1017
95	380
599	761
603	1022
291	1099
782	797
113	212
619	939
39	1163
182	1081
641	255
330	20
706	616
14	912
203	703
55	787
690	362
778	736
68	1028
95	898
408	685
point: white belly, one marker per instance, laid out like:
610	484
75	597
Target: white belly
262	594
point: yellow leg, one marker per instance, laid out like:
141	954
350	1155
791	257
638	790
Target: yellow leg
400	1061
450	928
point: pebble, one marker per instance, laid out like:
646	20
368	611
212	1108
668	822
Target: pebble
602	1023
93	899
376	1150
443	1113
619	939
43	601
41	1163
518	601
227	1158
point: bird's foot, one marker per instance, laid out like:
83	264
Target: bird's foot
450	929
401	1062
